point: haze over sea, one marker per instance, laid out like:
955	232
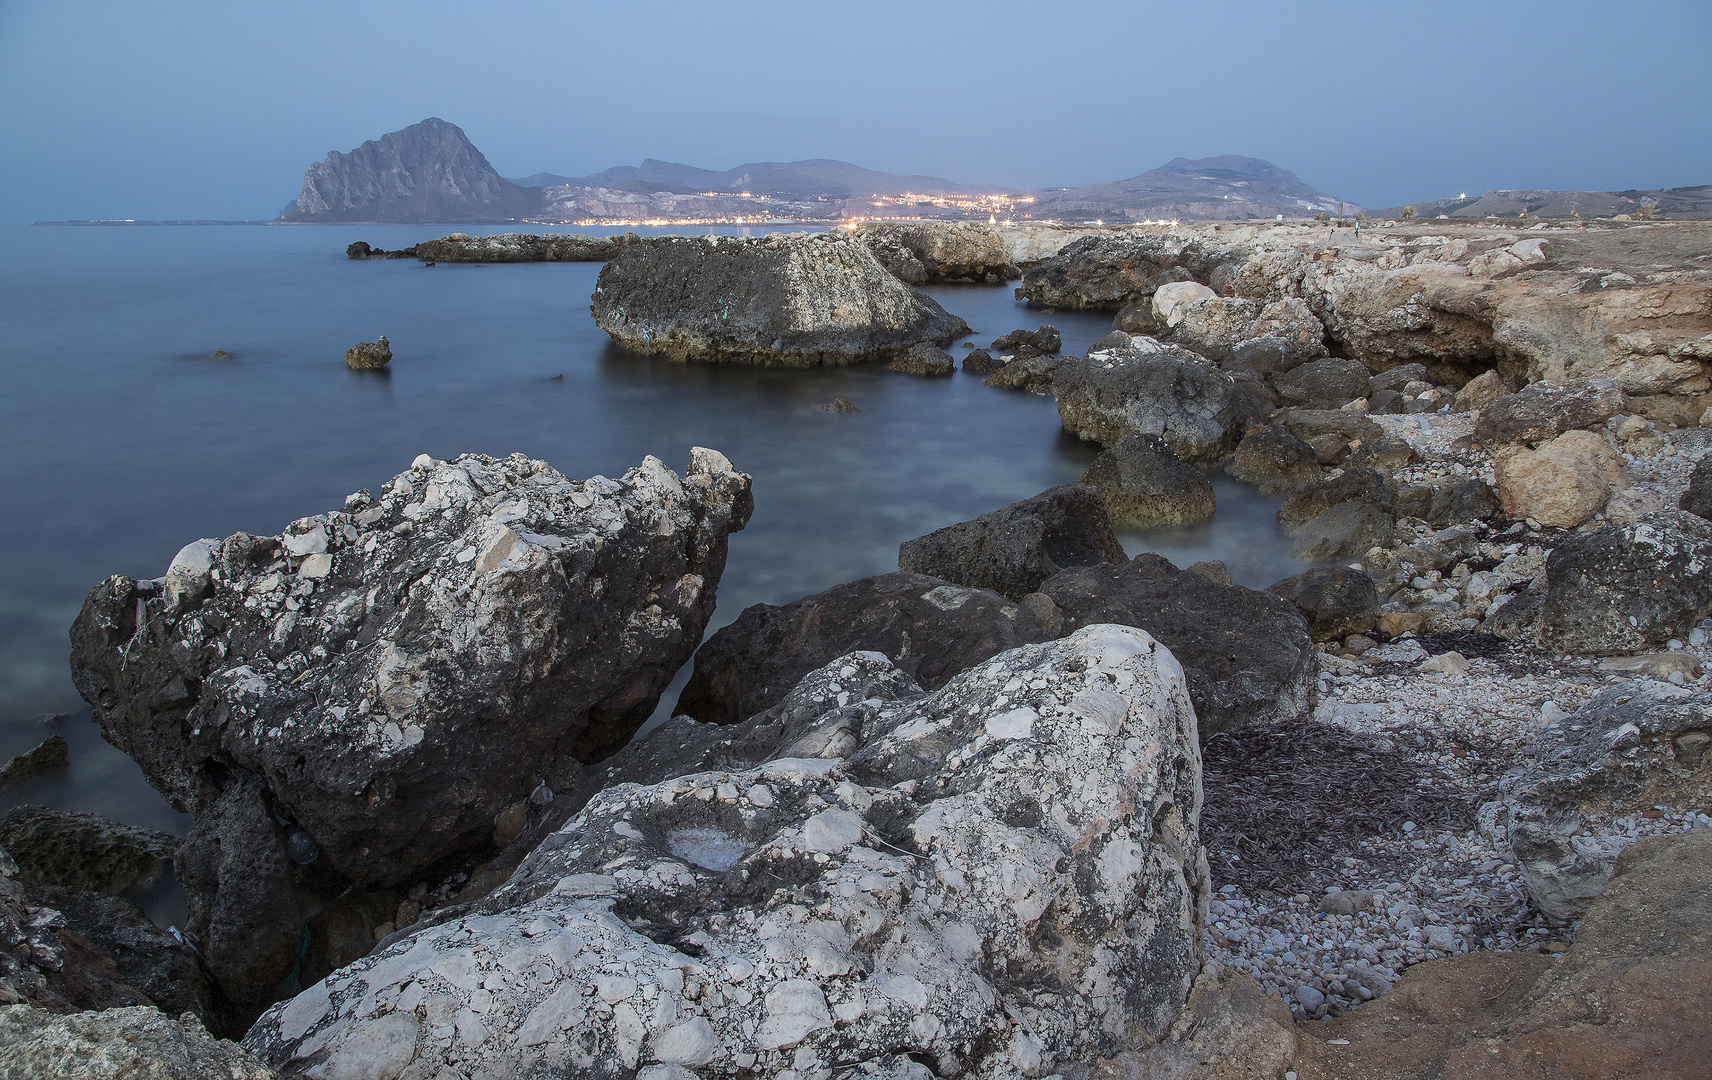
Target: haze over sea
126	441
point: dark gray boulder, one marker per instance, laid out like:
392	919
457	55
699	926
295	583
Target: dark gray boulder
83	851
1011	551
1146	486
1626	588
400	671
1152	389
1353	485
1697	500
1275	461
782	301
1336	600
1465	500
981	362
521	247
928	627
1044	342
1246	654
116	943
924	360
1107	273
1339	518
1540	412
1030	374
1136	317
1384	454
51	753
1331	379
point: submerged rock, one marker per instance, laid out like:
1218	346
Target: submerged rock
1146	486
1246	654
1626	588
1153	389
923	252
925	360
1629	748
1011	551
931	629
369	354
786	301
806	913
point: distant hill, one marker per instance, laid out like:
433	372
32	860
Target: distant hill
814	178
1216	188
1683	202
427	172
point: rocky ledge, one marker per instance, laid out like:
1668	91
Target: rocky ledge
787	301
354	702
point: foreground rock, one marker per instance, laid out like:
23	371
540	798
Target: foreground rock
1630	748
118	1044
51	753
1146	486
1543	411
1623	1001
522	247
930	629
1562	483
368	355
922	252
918	898
785	301
1625	588
1148	388
1011	551
1337	601
387	679
1246	654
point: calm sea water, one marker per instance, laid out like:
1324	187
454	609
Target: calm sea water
122	440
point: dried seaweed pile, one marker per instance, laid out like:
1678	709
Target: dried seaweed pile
1283	806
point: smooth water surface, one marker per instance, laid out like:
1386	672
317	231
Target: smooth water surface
123	440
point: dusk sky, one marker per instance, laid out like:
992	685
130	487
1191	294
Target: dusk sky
213	110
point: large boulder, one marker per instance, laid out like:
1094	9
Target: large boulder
1173	301
1543	411
1012	550
1275	461
1044	341
1626	588
1339	518
929	628
1146	485
1336	600
1104	273
139	1043
1240	334
787	301
1630	748
1332	379
1246	654
1148	388
399	671
522	247
83	851
1563	482
919	252
1031	825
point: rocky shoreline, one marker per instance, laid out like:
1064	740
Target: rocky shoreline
1025	808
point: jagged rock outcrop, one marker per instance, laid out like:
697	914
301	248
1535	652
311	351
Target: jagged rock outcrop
522	247
83	851
360	698
1146	486
369	355
1626	588
1103	273
786	301
966	887
426	172
1149	388
1243	335
117	1044
928	627
51	753
1012	550
1044	341
1246	654
922	252
1628	749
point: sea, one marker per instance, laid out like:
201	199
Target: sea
123	439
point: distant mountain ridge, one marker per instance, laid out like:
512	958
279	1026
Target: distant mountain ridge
1683	202
426	172
812	178
1217	188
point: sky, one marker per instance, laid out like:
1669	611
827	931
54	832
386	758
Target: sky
181	109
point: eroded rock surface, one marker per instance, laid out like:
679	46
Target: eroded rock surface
1146	486
1148	388
923	252
1012	550
1003	877
140	1043
83	851
1625	588
522	247
928	627
787	301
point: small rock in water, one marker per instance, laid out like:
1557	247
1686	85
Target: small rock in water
837	405
219	354
369	355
